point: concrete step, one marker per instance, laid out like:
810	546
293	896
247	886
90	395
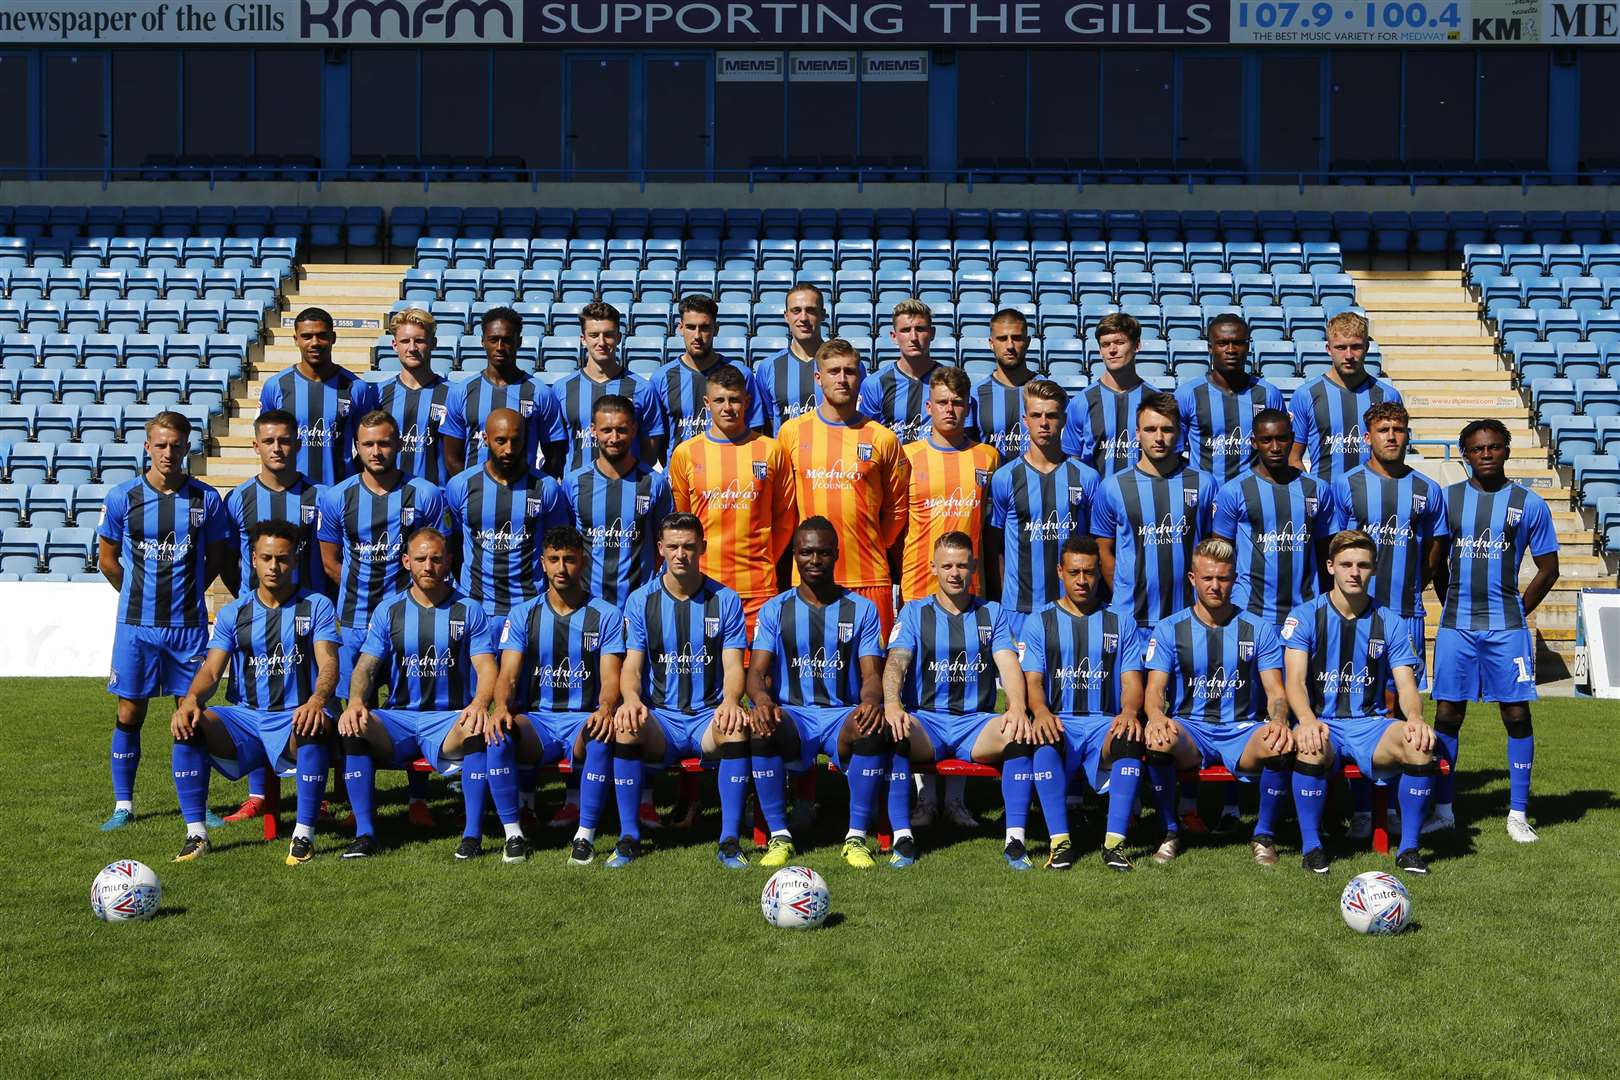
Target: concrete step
1421	310
324	271
1402	327
1437	342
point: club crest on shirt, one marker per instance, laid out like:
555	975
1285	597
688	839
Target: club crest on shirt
711	626
343	407
1288	627
301	625
458	628
437	413
1259	407
761	470
1245	651
526	409
1190	497
863	451
1110	643
1420	502
643	504
1077	495
592	638
308	512
1375	648
407	516
981	476
846	632
1310	506
197	517
1514	514
534	505
984	634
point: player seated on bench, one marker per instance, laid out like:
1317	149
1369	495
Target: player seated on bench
1083	673
559	685
683	670
939	693
1343	650
1215	696
815	677
279	643
437	651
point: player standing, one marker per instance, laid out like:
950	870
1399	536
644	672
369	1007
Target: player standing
679	385
939	695
998	398
1101	423
1405	514
950	482
1327	409
786	381
894	397
739	485
1343	649
326	399
604	373
1219	411
502	385
501	510
1036	503
279	643
162	539
559	688
682	685
815	679
618	502
1083	678
1484	650
418	398
1215	695
1149	517
849	469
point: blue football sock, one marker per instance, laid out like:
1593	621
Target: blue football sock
501	759
1017	783
360	778
1414	800
255	783
1274	784
770	784
1050	775
899	791
1361	795
1521	755
191	769
1162	782
865	773
733	788
1310	801
1124	777
598	769
627	773
1447	743
313	760
474	790
416	785
126	758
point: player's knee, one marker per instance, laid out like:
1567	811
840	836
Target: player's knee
474	744
1318	767
772	745
356	744
626	751
196	737
1159	756
1017	749
873	743
734	749
1127	748
1517	722
1448	718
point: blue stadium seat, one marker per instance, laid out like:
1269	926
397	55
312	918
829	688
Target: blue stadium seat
121	462
1571	437
31	463
37	386
1597	397
22	551
48	506
1597	476
1552	397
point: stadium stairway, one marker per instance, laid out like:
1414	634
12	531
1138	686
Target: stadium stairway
1446	364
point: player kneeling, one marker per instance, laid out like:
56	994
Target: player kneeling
559	686
1222	671
1343	650
939	693
279	644
815	678
438	653
683	670
1083	669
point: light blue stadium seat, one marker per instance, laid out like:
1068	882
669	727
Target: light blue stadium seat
22	551
76	463
37	386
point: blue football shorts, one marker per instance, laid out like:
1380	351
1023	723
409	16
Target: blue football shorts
151	661
261	737
1221	744
1484	665
420	734
953	734
1356	738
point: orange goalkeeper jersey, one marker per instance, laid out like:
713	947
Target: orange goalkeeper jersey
949	492
743	494
855	476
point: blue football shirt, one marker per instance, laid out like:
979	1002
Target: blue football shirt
786	387
1402	517
562	669
328	412
1327	422
1155	522
683	642
163	540
680	392
250	502
996	417
895	400
619	519
1275	529
1100	427
1351	660
370	529
420	414
428	651
577	395
815	649
472	400
272	652
1490	532
1217	424
953	667
1036	512
1214	671
1081	658
501	526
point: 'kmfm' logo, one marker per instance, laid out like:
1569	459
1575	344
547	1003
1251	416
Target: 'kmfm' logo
408	19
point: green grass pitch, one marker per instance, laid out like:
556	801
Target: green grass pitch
412	965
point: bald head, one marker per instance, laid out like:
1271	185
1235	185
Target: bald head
505	436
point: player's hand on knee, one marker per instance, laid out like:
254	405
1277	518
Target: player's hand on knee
1278	738
355	720
497	723
1126	726
1043	728
308	720
1310	737
631	718
1419	736
731	719
867	718
599	725
899	722
763	720
184	722
474	719
1161	735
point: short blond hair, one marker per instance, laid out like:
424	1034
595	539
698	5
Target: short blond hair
1217	548
913	306
835	347
1348	324
413	316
